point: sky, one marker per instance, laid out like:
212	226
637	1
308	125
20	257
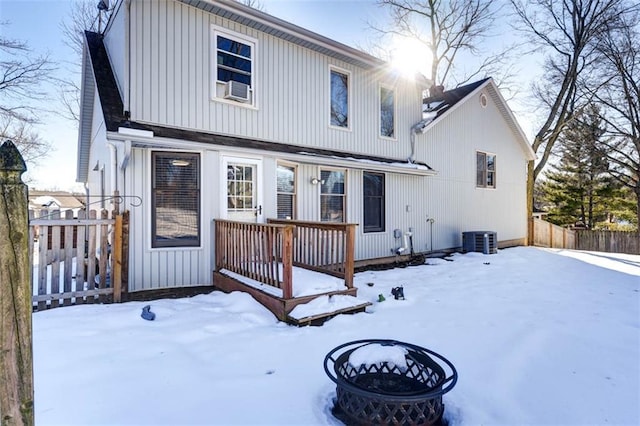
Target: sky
38	22
537	336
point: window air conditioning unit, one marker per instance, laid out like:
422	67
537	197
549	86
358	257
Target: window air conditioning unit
237	91
480	241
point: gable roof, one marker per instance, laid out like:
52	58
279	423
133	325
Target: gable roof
435	108
100	75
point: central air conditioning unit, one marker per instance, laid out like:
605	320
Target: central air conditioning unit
480	241
237	91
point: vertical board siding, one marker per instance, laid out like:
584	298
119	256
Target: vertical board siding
155	268
172	85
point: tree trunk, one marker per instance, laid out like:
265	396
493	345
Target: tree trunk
16	358
531	180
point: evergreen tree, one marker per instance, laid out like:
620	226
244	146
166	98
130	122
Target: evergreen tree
578	189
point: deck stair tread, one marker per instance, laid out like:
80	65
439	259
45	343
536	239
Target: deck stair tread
324	308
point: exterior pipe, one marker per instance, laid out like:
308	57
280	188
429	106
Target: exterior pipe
113	179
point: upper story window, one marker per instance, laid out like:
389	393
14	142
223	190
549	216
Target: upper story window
175	199
332	196
485	170
373	202
286	191
387	112
234	67
339	108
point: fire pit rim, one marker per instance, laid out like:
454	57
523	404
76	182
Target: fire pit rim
445	386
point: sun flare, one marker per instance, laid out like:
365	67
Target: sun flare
409	56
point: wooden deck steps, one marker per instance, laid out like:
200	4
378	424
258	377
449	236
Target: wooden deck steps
323	308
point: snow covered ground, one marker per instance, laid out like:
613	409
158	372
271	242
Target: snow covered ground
537	336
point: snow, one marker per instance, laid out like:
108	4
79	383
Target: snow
325	304
538	336
305	282
377	354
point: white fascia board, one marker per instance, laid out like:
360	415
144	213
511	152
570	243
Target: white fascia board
126	131
302	157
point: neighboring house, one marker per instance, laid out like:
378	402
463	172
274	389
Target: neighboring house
45	203
211	109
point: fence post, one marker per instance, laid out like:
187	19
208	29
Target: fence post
16	347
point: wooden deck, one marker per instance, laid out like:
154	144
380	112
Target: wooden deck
265	254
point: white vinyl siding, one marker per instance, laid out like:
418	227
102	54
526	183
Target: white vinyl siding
171	85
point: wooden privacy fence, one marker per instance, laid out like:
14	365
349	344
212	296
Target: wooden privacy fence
78	260
266	253
546	234
608	241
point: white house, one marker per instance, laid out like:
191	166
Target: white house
195	110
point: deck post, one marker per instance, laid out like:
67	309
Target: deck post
287	262
349	256
116	258
16	334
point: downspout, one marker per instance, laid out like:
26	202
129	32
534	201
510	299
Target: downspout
113	181
127	56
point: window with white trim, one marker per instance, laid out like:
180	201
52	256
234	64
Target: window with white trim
175	199
373	202
234	67
485	170
387	112
332	195
286	191
339	98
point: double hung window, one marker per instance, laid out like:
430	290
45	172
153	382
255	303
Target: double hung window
286	191
332	196
485	170
234	60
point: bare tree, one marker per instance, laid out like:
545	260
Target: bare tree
447	30
83	16
567	32
21	78
31	146
618	92
256	4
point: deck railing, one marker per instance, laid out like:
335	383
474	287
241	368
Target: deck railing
324	247
258	251
266	253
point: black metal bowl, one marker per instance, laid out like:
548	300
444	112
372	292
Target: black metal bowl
383	393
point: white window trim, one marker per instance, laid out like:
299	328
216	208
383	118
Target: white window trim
149	207
495	171
296	188
213	60
224	162
349	101
346	177
395	112
386	216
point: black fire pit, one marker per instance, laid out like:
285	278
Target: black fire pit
386	382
